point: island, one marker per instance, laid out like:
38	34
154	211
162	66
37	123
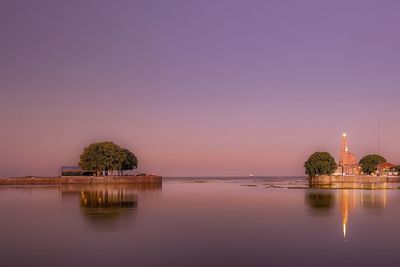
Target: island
370	172
100	163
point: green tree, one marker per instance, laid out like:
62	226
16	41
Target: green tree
129	161
369	163
107	156
320	163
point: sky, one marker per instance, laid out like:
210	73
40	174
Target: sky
197	88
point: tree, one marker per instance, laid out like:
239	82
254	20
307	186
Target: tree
129	161
107	156
369	163
320	163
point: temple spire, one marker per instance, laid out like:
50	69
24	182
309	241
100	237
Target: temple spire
347	160
343	147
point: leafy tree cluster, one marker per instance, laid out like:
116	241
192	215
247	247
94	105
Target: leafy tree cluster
106	157
320	163
369	163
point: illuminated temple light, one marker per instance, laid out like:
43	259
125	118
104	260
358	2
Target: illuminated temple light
345	211
344	230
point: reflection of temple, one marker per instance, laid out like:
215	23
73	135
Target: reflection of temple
368	199
345	207
347	160
322	201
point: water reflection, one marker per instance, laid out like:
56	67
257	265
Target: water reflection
321	201
365	186
106	206
107	203
218	223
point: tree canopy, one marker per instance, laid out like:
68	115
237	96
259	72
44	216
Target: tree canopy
129	161
320	163
369	163
107	156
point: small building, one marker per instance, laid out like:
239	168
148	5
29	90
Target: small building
76	171
387	169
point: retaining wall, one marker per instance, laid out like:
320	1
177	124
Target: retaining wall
81	180
326	179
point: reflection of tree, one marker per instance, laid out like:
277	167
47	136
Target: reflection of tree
108	206
320	201
101	203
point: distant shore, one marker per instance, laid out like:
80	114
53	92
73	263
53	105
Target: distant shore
62	180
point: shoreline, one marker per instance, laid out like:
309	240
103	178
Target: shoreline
66	180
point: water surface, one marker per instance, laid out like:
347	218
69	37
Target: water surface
199	222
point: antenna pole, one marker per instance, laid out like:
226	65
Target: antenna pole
379	132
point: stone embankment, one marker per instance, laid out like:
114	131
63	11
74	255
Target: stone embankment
354	182
329	179
65	180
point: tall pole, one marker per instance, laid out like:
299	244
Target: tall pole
379	132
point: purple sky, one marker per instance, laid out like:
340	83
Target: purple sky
197	87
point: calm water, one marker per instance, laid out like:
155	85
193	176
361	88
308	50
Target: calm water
200	222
